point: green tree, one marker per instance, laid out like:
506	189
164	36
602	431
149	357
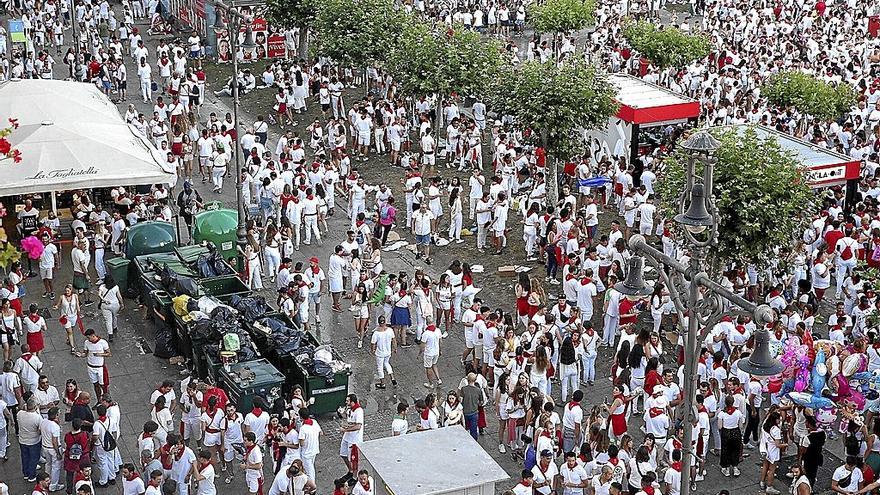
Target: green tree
761	195
666	46
557	102
560	16
293	13
357	32
809	95
445	61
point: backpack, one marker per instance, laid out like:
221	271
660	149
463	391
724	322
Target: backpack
75	452
847	253
108	443
384	213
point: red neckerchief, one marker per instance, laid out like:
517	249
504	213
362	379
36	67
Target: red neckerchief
701	408
717	364
248	450
526	482
204	466
520	360
649	490
479	317
366	485
154	484
741	329
656	411
730	410
132	476
355	406
71	396
426	412
586	281
39	488
401	293
676	443
308	421
316	269
257	412
573	404
310	197
34	317
27	356
676	466
569	277
613	461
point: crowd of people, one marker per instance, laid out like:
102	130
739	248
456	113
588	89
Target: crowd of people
529	358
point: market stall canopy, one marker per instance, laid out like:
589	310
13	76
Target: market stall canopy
71	136
825	168
648	104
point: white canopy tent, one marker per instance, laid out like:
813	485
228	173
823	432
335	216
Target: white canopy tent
71	136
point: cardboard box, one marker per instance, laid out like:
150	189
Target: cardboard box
507	271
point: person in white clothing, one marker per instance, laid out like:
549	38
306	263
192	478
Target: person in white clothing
383	345
352	433
252	464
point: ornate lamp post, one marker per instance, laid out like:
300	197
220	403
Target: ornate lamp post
703	305
236	19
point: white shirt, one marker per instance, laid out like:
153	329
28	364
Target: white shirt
357	436
308	439
206	486
100	346
574	475
133	487
258	425
422	222
842	472
382	340
431	339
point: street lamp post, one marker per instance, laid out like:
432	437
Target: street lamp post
703	304
236	17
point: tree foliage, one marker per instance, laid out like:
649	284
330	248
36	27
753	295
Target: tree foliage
666	46
290	13
760	191
443	60
556	101
809	95
357	32
555	16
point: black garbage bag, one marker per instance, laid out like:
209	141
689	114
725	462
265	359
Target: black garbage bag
176	283
224	314
204	330
322	369
251	308
164	347
246	354
286	343
215	259
205	267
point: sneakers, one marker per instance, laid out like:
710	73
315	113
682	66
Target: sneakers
501	448
439	382
428	385
771	491
360	344
749	446
736	471
762	485
725	472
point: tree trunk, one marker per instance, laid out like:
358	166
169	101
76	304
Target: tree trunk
552	179
304	43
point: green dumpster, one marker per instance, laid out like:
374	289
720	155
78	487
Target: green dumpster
245	381
118	268
224	287
190	256
148	238
328	394
218	227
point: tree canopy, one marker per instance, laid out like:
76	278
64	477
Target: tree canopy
809	95
666	46
358	32
760	191
290	13
556	101
443	60
554	16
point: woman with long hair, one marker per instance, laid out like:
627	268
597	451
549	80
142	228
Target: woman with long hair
522	289
617	412
70	309
453	414
444	298
361	312
253	266
657	306
11	328
110	303
35	328
400	315
516	411
455	212
530	231
540	364
502	394
771	438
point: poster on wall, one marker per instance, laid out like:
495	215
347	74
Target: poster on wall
259	30
275	46
224	50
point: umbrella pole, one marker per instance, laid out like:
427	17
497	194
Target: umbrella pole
54	204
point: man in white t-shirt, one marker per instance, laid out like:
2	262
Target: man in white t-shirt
574	477
429	345
383	344
49	261
848	472
545	472
257	421
422	221
309	448
95	350
252	464
205	474
647	211
352	433
132	484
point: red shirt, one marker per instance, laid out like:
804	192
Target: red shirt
625	307
831	239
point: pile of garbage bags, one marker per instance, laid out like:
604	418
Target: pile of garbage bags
212	265
175	283
213	323
321	362
251	308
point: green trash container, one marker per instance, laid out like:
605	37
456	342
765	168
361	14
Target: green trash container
223	287
218	227
118	268
245	381
328	395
